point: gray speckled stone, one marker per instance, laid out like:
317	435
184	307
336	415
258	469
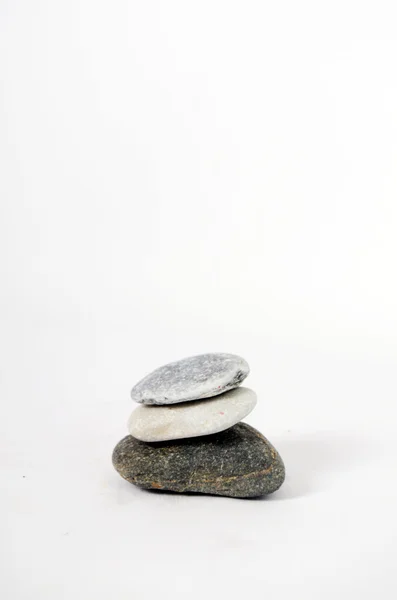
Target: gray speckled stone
191	419
192	378
238	462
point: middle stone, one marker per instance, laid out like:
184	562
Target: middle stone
185	420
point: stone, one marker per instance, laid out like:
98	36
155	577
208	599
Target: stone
192	378
238	462
191	419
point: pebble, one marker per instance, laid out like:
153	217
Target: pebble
202	417
238	462
192	378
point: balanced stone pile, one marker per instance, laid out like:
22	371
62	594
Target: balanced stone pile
187	437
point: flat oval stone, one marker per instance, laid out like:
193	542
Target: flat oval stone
202	417
192	378
238	462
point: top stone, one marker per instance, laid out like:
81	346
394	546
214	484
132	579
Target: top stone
193	378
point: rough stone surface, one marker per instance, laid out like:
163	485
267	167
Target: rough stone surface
190	419
191	378
238	462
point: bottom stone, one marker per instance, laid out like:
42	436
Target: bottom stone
238	462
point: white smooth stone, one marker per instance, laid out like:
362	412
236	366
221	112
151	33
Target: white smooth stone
201	417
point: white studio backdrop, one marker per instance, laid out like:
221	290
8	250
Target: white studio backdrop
184	177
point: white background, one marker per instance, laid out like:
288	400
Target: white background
180	177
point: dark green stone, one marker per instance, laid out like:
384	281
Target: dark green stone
238	462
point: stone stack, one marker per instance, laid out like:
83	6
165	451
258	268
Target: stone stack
187	437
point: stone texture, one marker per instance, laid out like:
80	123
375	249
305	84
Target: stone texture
192	378
238	462
191	419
